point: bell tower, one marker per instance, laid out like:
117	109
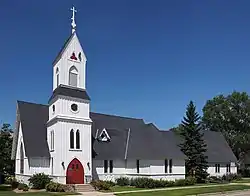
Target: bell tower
69	124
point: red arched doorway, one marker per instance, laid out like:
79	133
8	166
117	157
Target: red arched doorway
75	172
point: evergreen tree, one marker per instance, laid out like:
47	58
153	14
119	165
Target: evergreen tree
193	145
6	164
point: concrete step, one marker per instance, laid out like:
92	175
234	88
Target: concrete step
84	188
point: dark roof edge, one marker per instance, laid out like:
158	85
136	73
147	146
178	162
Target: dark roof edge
118	116
66	43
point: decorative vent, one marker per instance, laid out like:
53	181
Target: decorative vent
73	57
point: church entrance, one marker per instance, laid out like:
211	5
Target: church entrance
75	172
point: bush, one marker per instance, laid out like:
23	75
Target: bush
231	177
23	187
69	188
9	179
110	182
244	172
214	179
55	187
39	181
190	181
101	185
181	182
123	181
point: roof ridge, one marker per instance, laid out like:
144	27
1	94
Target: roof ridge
26	102
114	115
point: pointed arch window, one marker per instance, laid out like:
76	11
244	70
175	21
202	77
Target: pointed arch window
72	139
77	139
73	76
57	76
21	159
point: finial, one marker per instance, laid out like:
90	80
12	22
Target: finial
73	23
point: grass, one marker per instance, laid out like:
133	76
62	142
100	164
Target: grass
190	191
243	180
124	188
6	191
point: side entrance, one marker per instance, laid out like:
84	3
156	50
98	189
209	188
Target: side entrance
75	172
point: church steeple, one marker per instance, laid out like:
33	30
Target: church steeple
70	63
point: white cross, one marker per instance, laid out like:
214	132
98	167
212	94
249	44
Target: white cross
73	23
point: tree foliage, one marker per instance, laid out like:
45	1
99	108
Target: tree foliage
231	116
193	145
6	164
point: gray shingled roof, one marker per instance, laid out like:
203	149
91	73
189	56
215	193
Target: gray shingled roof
131	138
33	119
218	149
70	91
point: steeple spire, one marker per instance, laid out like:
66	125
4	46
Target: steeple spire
73	23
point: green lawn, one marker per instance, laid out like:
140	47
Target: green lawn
189	191
243	180
6	191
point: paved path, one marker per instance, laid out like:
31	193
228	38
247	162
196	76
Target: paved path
233	193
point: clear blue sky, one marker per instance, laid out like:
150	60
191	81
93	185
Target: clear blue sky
146	58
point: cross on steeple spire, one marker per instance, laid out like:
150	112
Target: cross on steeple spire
73	23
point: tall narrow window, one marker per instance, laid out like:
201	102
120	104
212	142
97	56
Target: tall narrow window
138	166
77	139
72	139
105	166
166	166
217	168
110	166
52	140
170	166
228	168
73	75
57	76
21	159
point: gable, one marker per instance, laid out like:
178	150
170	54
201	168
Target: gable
33	119
72	44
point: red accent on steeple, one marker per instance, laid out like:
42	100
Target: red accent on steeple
73	56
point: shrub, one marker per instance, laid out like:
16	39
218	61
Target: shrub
144	182
214	179
20	186
69	188
170	183
55	187
9	179
39	181
23	187
100	185
231	177
123	181
244	172
14	184
110	182
190	181
181	182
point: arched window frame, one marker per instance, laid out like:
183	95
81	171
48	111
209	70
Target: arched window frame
72	140
77	139
73	74
21	159
57	77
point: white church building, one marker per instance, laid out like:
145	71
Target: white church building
73	145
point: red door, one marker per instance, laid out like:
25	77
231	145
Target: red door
75	172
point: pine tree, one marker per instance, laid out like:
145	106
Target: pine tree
193	145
